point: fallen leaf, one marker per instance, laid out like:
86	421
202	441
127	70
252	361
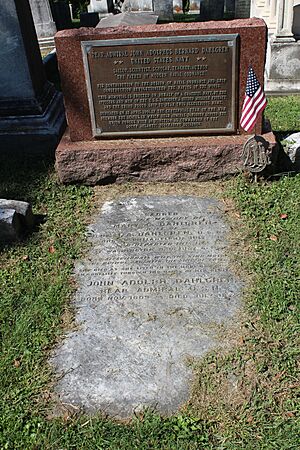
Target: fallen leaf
51	249
17	362
283	216
250	419
273	237
290	414
25	257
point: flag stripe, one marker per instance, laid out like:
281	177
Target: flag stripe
252	104
254	101
256	107
251	118
249	100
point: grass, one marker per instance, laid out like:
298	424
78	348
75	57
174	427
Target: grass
284	113
245	398
253	390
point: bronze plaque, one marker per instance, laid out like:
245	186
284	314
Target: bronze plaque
162	86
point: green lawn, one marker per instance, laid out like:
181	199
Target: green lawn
35	292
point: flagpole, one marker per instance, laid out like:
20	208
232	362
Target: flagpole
254	103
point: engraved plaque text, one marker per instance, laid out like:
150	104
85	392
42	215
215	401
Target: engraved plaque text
162	86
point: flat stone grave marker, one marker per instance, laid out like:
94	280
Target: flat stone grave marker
153	291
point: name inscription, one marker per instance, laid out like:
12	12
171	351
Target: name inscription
174	85
159	249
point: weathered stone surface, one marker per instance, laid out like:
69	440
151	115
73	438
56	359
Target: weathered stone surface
42	16
169	159
127	18
164	9
284	67
242	9
152	292
23	209
137	5
10	226
292	149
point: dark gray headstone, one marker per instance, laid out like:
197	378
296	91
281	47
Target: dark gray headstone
212	9
62	15
14	84
89	19
152	292
31	110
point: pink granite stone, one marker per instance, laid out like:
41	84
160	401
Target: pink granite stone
82	158
252	32
160	159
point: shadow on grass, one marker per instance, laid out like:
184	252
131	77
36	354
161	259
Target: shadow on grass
23	180
20	178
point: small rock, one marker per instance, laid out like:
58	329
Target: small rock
292	148
10	225
22	208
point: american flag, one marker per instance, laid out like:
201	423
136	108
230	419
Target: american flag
254	102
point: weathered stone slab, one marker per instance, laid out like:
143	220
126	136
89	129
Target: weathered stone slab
153	291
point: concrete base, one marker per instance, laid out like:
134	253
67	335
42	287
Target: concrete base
164	159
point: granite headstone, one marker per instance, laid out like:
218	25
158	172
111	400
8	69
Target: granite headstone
163	80
31	110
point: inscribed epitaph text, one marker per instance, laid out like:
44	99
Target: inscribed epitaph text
164	85
153	291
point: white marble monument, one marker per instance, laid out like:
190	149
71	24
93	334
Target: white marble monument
43	22
283	52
